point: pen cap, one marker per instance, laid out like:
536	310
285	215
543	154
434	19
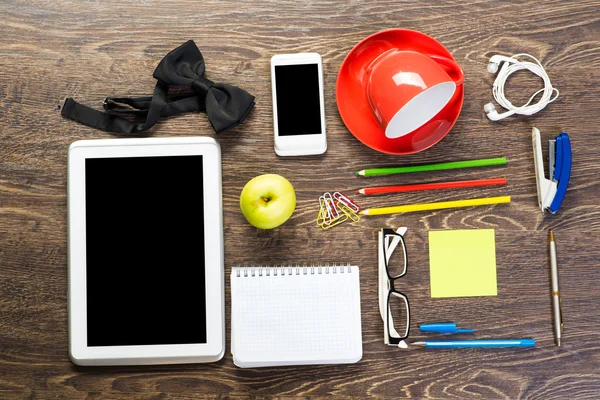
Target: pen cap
443	327
528	342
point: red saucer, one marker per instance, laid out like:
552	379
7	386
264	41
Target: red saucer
353	105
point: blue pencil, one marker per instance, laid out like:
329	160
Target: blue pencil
475	343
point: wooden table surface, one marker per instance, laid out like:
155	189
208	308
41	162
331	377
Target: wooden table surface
91	49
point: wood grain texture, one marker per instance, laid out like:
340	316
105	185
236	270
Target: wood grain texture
91	49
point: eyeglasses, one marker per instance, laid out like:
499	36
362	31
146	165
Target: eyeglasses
393	305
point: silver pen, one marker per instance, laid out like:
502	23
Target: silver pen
556	302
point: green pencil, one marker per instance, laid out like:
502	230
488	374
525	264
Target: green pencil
432	167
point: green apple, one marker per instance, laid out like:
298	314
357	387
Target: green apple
267	201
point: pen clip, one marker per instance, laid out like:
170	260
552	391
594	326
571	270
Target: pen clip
561	314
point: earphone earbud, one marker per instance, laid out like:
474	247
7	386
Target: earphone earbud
493	115
491	112
495	63
492	68
496	60
511	66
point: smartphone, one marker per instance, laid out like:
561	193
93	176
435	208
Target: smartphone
298	104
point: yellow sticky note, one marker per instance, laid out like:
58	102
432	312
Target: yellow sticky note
462	263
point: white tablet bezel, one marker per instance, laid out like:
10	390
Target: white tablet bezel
214	349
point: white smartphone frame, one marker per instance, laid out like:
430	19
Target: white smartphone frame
298	145
214	348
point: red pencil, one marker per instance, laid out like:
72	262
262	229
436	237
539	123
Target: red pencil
432	186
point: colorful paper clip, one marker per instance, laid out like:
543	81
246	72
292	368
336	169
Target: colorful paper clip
349	212
336	209
322	212
326	222
330	205
345	200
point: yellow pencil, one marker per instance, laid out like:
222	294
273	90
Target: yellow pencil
436	206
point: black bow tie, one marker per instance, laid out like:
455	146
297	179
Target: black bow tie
226	106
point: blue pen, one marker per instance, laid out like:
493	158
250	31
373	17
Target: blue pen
475	343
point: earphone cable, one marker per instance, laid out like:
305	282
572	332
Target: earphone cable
509	68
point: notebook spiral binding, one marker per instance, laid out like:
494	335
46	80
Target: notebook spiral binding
296	269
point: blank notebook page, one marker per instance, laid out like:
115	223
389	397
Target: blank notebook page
299	316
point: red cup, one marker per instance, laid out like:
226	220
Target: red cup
405	89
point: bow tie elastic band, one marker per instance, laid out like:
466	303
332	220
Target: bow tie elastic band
225	105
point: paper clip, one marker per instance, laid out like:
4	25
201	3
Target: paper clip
326	210
336	221
323	216
323	213
325	219
341	217
342	198
349	212
330	205
336	209
326	224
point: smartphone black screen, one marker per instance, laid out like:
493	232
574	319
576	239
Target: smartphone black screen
298	100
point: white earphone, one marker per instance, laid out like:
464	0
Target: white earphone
511	65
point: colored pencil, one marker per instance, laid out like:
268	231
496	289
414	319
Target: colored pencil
436	206
432	186
432	167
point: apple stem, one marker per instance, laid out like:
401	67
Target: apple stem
266	199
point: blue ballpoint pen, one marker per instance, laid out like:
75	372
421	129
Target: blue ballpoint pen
475	343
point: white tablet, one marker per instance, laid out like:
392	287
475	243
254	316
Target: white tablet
146	280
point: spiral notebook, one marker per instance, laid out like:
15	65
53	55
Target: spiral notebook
295	315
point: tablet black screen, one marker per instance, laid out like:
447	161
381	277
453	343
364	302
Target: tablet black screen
145	251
